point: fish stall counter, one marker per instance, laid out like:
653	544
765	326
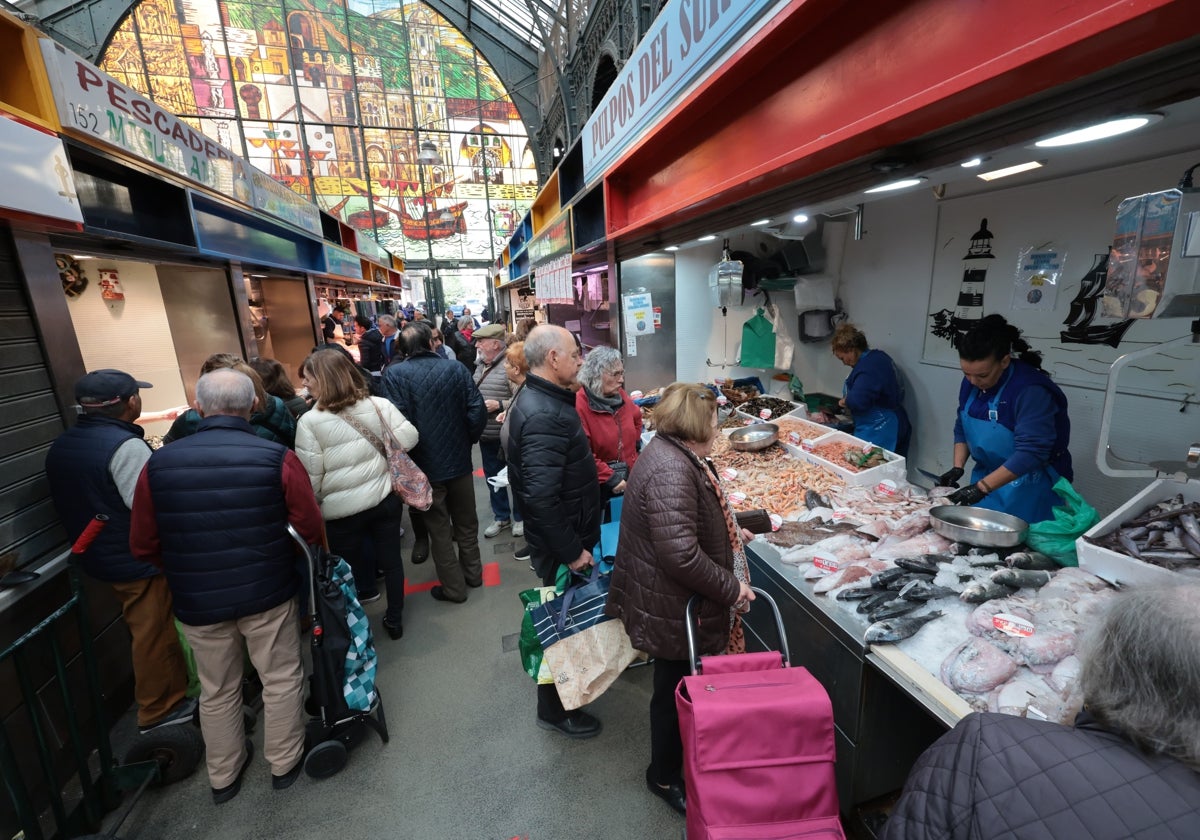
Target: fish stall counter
908	643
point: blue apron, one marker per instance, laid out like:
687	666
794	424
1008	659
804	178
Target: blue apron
880	426
1030	496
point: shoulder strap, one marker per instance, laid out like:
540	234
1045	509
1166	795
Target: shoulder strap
365	432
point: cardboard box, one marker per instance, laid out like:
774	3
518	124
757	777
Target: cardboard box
894	469
1121	569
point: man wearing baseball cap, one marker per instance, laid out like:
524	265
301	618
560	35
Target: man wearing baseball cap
93	469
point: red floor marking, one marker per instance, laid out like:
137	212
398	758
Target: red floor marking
410	588
491	574
478	473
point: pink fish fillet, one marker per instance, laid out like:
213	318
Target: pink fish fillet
858	571
926	543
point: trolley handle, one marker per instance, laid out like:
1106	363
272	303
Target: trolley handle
690	620
314	613
93	529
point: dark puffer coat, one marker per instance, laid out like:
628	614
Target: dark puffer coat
1000	776
550	468
673	544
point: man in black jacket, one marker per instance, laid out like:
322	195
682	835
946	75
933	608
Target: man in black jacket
93	469
553	474
212	510
376	344
1127	768
439	397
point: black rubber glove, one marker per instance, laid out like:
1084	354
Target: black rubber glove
950	477
966	496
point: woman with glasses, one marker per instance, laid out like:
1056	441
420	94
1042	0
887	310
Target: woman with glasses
1012	420
678	539
611	420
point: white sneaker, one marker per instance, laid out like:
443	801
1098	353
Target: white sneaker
518	529
495	528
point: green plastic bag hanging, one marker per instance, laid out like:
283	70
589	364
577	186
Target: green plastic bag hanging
1055	537
527	642
758	342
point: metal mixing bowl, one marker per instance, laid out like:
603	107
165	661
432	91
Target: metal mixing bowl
978	526
753	438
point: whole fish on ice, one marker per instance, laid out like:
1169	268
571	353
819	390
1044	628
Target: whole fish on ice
896	629
977	666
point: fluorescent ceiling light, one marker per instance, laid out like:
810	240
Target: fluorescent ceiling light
895	185
1010	170
760	223
972	163
1112	128
800	218
707	238
671	248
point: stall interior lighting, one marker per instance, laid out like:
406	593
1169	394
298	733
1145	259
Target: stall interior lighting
972	163
800	218
707	237
895	185
1102	131
671	248
760	223
1010	170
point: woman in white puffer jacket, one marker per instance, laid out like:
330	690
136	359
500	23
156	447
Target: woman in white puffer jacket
351	478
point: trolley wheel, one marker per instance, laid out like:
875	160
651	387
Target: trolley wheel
176	749
325	759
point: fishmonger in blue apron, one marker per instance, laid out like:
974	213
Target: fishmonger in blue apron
1012	421
872	392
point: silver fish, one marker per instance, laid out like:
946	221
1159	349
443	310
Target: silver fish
874	602
1031	560
1020	578
896	629
892	609
984	590
924	590
1190	526
917	564
852	593
880	580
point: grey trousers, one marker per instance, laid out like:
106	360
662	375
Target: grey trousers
452	518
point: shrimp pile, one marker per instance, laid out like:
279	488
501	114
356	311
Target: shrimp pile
835	451
803	428
770	478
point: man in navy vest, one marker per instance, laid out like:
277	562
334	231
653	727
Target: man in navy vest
212	509
93	468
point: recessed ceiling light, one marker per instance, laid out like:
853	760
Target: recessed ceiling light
707	238
895	185
671	248
760	223
1103	130
972	163
800	218
1009	170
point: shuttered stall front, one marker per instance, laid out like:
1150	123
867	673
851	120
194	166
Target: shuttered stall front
29	528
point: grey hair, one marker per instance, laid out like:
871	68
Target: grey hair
538	344
225	392
1141	670
386	321
598	362
466	322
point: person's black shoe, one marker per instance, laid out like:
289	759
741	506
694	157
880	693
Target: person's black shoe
673	795
419	557
394	631
523	553
578	725
439	594
476	584
223	795
183	712
288	779
369	597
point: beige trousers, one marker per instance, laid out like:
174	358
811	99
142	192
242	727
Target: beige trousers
272	638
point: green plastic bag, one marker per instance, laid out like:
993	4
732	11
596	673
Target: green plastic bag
527	643
1055	537
189	659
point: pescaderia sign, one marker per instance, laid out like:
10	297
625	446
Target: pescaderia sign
688	38
96	105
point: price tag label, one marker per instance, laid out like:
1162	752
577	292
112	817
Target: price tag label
722	400
1012	625
808	445
826	564
887	487
841	513
765	414
776	521
720	381
737	497
729	473
751	421
794	437
636	395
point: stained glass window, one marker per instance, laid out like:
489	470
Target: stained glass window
334	98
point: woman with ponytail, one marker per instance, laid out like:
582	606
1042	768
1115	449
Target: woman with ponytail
1012	421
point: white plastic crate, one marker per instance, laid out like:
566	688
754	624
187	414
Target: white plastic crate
894	469
1121	569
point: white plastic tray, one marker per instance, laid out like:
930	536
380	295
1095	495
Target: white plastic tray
1121	569
894	469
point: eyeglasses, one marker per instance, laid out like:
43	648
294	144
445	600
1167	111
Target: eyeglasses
615	373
